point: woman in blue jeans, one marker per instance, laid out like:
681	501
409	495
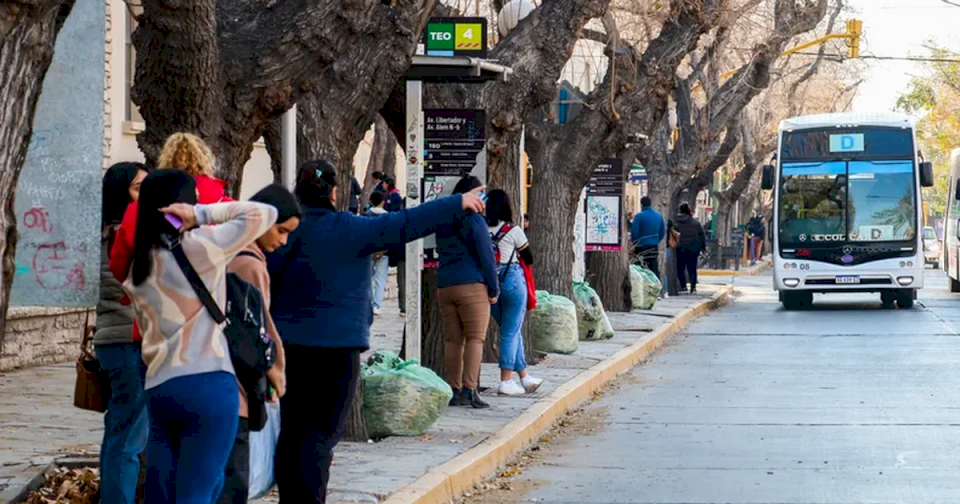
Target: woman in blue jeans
190	381
512	246
125	425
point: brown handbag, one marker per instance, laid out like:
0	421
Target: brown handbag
93	388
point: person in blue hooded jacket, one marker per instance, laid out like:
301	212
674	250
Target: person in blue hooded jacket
322	305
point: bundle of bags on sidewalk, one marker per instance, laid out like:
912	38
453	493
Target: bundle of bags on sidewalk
553	325
592	319
645	288
401	398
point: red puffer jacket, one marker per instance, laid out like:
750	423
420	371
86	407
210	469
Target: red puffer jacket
209	191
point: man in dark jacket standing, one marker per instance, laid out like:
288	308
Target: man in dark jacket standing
646	233
693	241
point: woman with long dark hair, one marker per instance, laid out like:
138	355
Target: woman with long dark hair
190	381
466	287
322	305
510	310
125	424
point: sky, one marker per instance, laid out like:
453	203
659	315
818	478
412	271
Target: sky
899	28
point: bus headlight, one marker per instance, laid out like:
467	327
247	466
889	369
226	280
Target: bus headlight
791	282
905	280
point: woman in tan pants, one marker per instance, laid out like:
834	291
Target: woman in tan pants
467	286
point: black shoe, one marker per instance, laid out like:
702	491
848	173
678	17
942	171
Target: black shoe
693	290
472	398
457	399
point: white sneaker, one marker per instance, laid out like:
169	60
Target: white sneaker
510	388
531	384
376	312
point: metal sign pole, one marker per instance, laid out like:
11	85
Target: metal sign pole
414	256
288	171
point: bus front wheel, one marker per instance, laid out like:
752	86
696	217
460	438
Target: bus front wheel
796	300
905	298
888	298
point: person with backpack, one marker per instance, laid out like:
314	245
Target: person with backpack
250	265
466	287
191	381
510	247
322	306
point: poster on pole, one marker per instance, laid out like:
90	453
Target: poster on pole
604	207
454	145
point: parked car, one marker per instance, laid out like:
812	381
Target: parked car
931	247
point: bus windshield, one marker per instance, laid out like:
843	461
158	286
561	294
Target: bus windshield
839	201
881	201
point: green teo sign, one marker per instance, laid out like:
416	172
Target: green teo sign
456	37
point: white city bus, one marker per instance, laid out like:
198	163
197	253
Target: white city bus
847	209
951	229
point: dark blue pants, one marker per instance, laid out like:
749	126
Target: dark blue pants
321	384
193	425
687	267
125	425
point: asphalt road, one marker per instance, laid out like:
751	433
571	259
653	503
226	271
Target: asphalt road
845	403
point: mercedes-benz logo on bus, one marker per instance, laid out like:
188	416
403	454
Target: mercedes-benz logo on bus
847	250
803	237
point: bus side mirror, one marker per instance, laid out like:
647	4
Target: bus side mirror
766	179
926	174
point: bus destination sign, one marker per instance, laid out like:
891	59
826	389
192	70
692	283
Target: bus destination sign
849	142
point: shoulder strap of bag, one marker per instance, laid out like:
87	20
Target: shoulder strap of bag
247	253
174	246
502	232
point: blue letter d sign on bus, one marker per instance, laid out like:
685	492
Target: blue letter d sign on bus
849	142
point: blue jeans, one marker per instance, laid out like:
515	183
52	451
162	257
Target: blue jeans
193	424
509	312
381	268
125	425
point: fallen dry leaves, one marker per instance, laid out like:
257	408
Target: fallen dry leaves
68	486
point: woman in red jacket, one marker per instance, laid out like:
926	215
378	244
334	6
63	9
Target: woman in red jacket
183	151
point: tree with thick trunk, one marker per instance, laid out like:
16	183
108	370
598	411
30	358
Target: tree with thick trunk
225	69
631	99
28	32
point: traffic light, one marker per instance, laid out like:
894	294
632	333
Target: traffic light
854	32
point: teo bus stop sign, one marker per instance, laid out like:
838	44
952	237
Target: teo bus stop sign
454	50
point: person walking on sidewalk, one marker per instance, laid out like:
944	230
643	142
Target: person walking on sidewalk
190	382
692	243
125	426
322	306
466	287
251	266
757	232
512	246
381	262
646	233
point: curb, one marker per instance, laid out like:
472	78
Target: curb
763	268
444	483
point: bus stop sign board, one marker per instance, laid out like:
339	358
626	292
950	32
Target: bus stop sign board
456	37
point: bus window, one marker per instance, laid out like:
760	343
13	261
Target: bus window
812	201
881	202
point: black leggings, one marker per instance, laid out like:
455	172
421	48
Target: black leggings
321	383
687	267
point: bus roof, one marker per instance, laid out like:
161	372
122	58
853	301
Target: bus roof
889	119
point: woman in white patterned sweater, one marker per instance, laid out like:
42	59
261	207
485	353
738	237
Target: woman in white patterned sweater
190	383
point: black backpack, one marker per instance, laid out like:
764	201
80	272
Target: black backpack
251	349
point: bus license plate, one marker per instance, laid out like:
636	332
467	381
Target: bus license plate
848	279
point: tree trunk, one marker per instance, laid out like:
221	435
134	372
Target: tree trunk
28	32
431	324
383	149
553	207
225	69
356	428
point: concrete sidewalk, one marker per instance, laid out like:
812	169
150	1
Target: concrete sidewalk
38	423
757	269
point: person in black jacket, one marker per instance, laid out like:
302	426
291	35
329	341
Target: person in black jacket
693	241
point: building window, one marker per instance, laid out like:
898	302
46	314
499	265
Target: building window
133	10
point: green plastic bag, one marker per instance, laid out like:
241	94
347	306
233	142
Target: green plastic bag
401	398
645	288
553	325
592	320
